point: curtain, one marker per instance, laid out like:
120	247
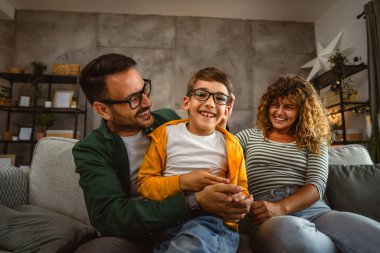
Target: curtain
372	16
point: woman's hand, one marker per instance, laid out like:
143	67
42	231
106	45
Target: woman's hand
198	179
301	199
263	210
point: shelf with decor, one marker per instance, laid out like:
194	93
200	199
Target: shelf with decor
349	106
342	105
70	101
327	78
41	109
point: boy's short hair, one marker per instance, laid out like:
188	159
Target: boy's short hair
209	74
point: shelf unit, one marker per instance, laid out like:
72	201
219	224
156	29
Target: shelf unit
326	79
348	106
48	80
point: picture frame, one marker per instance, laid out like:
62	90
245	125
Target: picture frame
7	159
62	99
24	101
25	133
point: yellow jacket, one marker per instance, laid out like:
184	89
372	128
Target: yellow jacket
154	186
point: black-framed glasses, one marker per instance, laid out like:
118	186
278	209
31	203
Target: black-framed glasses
134	100
203	95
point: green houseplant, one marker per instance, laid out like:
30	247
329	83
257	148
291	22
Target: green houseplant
338	62
5	95
37	77
43	121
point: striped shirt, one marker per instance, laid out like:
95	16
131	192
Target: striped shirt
272	165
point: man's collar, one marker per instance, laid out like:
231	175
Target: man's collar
106	131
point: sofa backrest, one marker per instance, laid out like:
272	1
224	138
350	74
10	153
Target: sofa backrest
353	154
53	183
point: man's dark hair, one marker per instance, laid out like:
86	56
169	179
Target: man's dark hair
92	78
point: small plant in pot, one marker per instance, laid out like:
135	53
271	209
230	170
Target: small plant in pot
338	62
43	122
5	95
37	77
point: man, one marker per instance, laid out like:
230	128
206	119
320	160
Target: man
108	161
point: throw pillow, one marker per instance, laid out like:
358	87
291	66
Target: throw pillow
35	229
355	188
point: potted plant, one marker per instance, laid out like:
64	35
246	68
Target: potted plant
5	95
338	62
38	76
43	121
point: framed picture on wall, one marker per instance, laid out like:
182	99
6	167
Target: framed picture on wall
25	133
24	101
8	159
62	99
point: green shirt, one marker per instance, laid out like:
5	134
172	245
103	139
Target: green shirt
102	162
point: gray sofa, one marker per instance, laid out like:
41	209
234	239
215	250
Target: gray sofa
46	206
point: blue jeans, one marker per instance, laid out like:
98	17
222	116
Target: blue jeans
200	234
315	229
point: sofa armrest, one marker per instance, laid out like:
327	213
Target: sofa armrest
13	186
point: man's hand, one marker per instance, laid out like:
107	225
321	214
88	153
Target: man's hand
197	180
218	199
230	106
263	210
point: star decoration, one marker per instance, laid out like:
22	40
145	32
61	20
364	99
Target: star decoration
320	63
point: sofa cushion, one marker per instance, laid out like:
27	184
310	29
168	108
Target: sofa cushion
53	183
13	186
355	188
31	229
354	154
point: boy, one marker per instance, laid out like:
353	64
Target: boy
182	150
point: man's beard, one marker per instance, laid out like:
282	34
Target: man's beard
120	123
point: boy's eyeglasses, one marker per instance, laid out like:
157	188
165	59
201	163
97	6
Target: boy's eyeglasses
134	100
203	95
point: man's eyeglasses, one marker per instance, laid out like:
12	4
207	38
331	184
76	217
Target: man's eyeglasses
134	100
203	95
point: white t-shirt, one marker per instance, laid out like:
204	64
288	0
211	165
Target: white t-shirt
186	152
136	146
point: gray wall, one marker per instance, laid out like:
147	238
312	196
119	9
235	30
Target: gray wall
6	43
168	49
6	52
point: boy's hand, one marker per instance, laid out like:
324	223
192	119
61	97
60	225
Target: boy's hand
237	197
218	199
197	180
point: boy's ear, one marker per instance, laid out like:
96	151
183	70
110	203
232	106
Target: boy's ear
102	110
227	113
186	103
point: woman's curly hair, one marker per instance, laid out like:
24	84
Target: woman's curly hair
312	127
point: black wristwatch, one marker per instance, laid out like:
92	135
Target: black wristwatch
192	202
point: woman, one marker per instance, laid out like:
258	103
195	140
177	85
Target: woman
287	168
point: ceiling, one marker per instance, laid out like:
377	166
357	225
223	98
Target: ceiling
291	10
